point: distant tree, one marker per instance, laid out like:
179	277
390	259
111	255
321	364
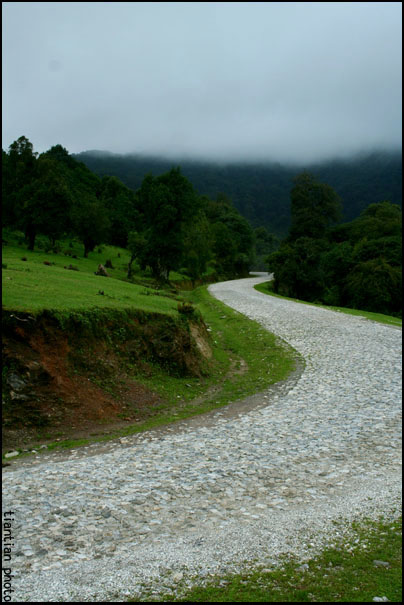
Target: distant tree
137	246
224	248
314	208
47	203
265	244
166	205
376	221
375	285
90	223
298	272
119	202
18	174
197	247
233	237
336	262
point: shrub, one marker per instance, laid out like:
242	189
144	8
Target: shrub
186	309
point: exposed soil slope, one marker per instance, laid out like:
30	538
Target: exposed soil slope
72	376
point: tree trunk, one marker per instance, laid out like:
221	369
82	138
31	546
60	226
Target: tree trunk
30	234
132	258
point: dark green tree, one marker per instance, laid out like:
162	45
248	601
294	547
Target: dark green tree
224	248
197	249
18	174
297	269
314	208
376	286
119	202
233	237
90	223
166	206
137	246
47	203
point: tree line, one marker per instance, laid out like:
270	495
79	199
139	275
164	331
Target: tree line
261	191
167	226
357	264
164	224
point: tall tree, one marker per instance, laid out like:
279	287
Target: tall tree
46	207
314	207
119	202
167	204
90	223
18	172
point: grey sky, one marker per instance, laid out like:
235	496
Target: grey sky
219	80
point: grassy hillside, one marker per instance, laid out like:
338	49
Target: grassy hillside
88	357
44	281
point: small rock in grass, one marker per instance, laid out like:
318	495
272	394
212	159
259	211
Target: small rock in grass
381	563
11	454
101	271
303	567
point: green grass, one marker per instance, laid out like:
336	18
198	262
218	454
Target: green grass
246	358
345	572
234	339
33	286
266	288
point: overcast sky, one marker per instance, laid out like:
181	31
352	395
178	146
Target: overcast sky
297	81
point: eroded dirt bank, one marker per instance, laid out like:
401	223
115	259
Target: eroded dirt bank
71	376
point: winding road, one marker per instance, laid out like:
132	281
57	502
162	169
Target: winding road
154	509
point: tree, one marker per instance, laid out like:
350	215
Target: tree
224	248
166	205
233	237
18	172
297	269
314	207
197	247
376	221
90	222
47	203
336	262
137	245
119	202
265	244
375	286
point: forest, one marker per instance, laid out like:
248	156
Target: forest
164	224
357	264
168	226
261	192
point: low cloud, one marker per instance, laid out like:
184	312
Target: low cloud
292	81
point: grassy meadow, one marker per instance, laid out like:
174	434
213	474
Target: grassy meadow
31	285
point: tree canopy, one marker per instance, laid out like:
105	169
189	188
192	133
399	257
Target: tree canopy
165	224
356	264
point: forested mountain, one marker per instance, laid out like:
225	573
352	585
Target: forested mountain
261	192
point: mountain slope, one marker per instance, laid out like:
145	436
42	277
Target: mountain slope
261	192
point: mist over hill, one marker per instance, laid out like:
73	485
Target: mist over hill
261	191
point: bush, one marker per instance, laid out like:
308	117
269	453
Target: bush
186	309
